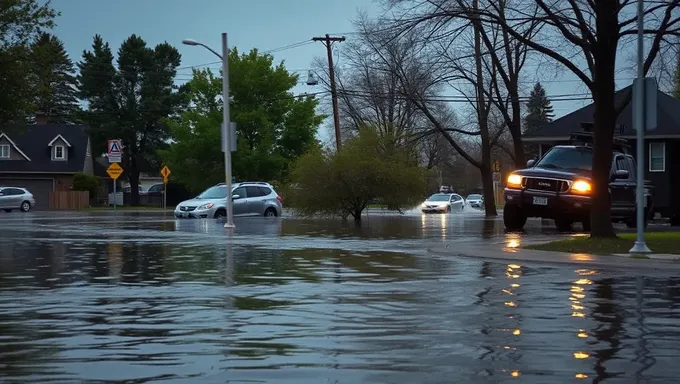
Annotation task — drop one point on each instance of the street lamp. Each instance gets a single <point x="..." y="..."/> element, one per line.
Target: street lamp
<point x="225" y="117"/>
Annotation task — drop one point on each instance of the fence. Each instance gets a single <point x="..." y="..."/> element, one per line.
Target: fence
<point x="69" y="200"/>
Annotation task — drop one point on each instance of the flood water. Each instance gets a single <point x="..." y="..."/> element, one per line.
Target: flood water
<point x="135" y="299"/>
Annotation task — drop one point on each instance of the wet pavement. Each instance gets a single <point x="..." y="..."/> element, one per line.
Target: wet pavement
<point x="139" y="297"/>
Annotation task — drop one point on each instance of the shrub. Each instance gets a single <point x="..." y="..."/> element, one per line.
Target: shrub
<point x="85" y="182"/>
<point x="344" y="183"/>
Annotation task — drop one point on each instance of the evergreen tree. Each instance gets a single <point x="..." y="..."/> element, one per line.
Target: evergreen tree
<point x="676" y="79"/>
<point x="539" y="109"/>
<point x="53" y="79"/>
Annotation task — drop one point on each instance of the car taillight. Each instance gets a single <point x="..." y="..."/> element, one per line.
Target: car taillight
<point x="279" y="198"/>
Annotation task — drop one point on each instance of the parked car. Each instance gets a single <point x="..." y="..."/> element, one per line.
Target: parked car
<point x="156" y="188"/>
<point x="443" y="202"/>
<point x="474" y="200"/>
<point x="559" y="186"/>
<point x="12" y="198"/>
<point x="250" y="198"/>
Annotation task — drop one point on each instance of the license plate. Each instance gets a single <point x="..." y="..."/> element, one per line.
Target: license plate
<point x="184" y="214"/>
<point x="540" y="201"/>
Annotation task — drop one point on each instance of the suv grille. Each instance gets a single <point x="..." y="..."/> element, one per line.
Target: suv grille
<point x="187" y="209"/>
<point x="546" y="184"/>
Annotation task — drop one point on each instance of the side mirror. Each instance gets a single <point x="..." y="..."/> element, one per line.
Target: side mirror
<point x="620" y="174"/>
<point x="531" y="163"/>
<point x="234" y="197"/>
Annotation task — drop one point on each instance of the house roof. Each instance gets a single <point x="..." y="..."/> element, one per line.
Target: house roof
<point x="668" y="119"/>
<point x="34" y="142"/>
<point x="57" y="138"/>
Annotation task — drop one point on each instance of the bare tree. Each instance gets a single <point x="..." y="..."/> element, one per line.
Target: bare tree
<point x="571" y="31"/>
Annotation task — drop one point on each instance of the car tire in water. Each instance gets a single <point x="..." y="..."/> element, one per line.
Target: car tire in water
<point x="270" y="212"/>
<point x="220" y="214"/>
<point x="25" y="206"/>
<point x="514" y="218"/>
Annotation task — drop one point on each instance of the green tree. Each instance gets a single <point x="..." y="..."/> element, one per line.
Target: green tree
<point x="53" y="79"/>
<point x="274" y="127"/>
<point x="20" y="22"/>
<point x="539" y="109"/>
<point x="344" y="183"/>
<point x="131" y="101"/>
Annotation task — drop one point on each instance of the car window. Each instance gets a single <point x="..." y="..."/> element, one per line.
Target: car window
<point x="632" y="175"/>
<point x="623" y="164"/>
<point x="253" y="191"/>
<point x="438" y="197"/>
<point x="567" y="158"/>
<point x="474" y="197"/>
<point x="13" y="192"/>
<point x="216" y="192"/>
<point x="265" y="191"/>
<point x="241" y="192"/>
<point x="156" y="188"/>
<point x="455" y="198"/>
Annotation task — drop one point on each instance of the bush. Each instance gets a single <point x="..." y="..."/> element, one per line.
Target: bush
<point x="85" y="182"/>
<point x="345" y="183"/>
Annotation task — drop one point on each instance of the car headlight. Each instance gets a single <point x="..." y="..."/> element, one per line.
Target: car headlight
<point x="206" y="206"/>
<point x="514" y="181"/>
<point x="581" y="187"/>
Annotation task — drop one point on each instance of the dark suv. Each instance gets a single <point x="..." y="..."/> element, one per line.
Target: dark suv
<point x="558" y="186"/>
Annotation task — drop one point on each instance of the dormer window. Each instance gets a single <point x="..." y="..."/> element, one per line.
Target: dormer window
<point x="4" y="151"/>
<point x="59" y="153"/>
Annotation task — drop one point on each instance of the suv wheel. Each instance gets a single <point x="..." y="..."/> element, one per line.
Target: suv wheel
<point x="270" y="212"/>
<point x="563" y="225"/>
<point x="514" y="218"/>
<point x="25" y="206"/>
<point x="220" y="214"/>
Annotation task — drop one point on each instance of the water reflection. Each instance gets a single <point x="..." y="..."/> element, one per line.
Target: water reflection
<point x="75" y="311"/>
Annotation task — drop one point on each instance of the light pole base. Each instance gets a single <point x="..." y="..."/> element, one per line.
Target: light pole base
<point x="229" y="225"/>
<point x="640" y="247"/>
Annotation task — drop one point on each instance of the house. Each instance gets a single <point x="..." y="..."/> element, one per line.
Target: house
<point x="43" y="157"/>
<point x="662" y="145"/>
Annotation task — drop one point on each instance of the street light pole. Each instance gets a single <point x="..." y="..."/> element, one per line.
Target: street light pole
<point x="225" y="120"/>
<point x="639" y="105"/>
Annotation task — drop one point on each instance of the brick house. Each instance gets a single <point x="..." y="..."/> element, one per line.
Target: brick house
<point x="43" y="157"/>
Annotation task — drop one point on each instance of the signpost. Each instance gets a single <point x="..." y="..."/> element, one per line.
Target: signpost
<point x="165" y="172"/>
<point x="496" y="184"/>
<point x="114" y="172"/>
<point x="114" y="151"/>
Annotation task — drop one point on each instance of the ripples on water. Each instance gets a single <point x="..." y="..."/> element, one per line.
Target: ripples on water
<point x="87" y="311"/>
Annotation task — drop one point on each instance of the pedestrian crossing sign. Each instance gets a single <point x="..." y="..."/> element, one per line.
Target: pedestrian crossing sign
<point x="115" y="147"/>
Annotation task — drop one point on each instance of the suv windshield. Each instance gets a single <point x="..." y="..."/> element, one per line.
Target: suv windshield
<point x="217" y="192"/>
<point x="438" y="197"/>
<point x="567" y="158"/>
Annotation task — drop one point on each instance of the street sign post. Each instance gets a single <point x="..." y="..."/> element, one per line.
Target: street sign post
<point x="114" y="151"/>
<point x="165" y="172"/>
<point x="114" y="172"/>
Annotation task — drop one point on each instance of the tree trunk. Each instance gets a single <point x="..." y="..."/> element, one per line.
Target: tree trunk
<point x="516" y="133"/>
<point x="488" y="192"/>
<point x="605" y="117"/>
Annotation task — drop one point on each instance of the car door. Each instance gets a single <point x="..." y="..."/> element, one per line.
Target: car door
<point x="622" y="191"/>
<point x="255" y="200"/>
<point x="241" y="202"/>
<point x="456" y="203"/>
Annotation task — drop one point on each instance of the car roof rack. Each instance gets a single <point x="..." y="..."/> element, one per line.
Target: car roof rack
<point x="586" y="139"/>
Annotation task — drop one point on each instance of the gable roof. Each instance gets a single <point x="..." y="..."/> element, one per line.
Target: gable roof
<point x="34" y="140"/>
<point x="2" y="135"/>
<point x="668" y="119"/>
<point x="62" y="139"/>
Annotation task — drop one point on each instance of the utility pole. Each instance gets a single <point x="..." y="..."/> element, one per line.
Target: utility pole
<point x="328" y="42"/>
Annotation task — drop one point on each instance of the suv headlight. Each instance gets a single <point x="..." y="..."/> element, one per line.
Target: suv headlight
<point x="206" y="206"/>
<point x="514" y="181"/>
<point x="581" y="187"/>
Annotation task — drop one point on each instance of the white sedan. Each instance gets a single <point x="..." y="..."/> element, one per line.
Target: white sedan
<point x="443" y="202"/>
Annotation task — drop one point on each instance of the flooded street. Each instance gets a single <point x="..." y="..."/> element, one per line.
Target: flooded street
<point x="140" y="297"/>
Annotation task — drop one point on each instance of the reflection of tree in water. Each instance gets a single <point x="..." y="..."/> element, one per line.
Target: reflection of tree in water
<point x="22" y="355"/>
<point x="610" y="316"/>
<point x="375" y="227"/>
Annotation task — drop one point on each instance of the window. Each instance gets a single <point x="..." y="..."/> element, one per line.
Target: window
<point x="254" y="192"/>
<point x="657" y="157"/>
<point x="4" y="151"/>
<point x="241" y="192"/>
<point x="59" y="152"/>
<point x="567" y="158"/>
<point x="265" y="191"/>
<point x="216" y="192"/>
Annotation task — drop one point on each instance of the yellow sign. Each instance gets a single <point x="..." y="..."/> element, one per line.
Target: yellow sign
<point x="114" y="171"/>
<point x="165" y="172"/>
<point x="165" y="180"/>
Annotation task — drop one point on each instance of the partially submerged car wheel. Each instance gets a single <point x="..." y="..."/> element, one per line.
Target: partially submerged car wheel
<point x="220" y="214"/>
<point x="514" y="218"/>
<point x="25" y="206"/>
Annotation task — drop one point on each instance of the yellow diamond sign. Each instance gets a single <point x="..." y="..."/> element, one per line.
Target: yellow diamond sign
<point x="114" y="171"/>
